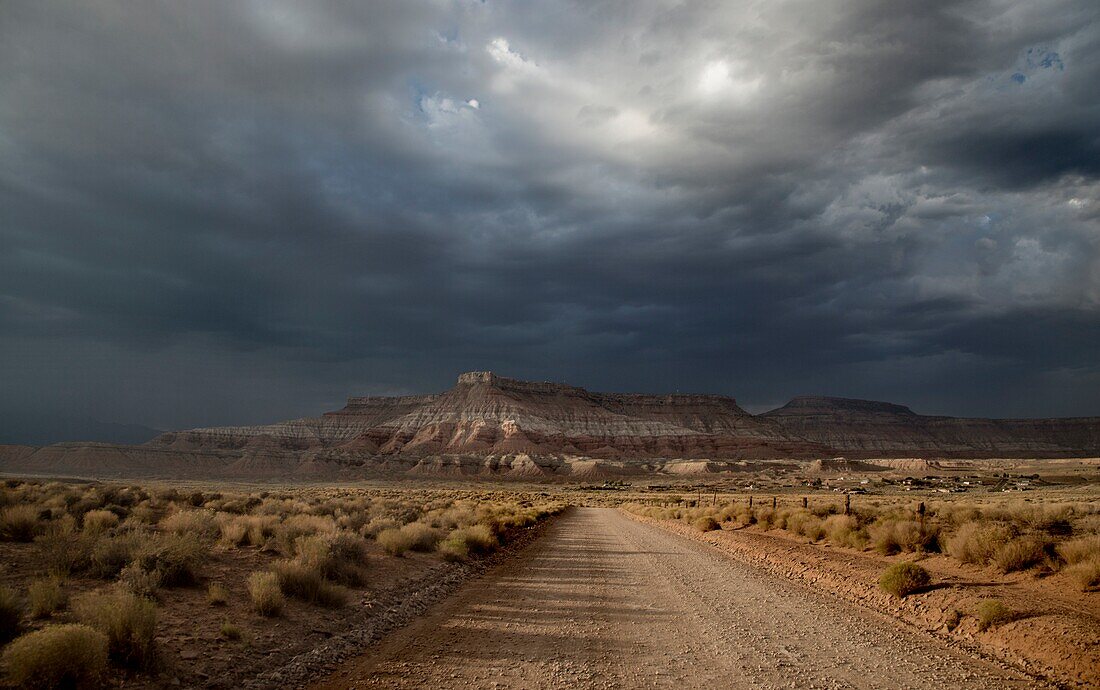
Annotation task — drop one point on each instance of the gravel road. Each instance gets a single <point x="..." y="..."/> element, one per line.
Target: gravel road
<point x="602" y="601"/>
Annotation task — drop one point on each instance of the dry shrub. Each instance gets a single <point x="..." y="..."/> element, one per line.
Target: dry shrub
<point x="453" y="550"/>
<point x="146" y="513"/>
<point x="894" y="536"/>
<point x="805" y="523"/>
<point x="217" y="595"/>
<point x="993" y="612"/>
<point x="247" y="530"/>
<point x="706" y="524"/>
<point x="230" y="631"/>
<point x="301" y="526"/>
<point x="46" y="597"/>
<point x="57" y="656"/>
<point x="19" y="523"/>
<point x="337" y="557"/>
<point x="110" y="554"/>
<point x="99" y="521"/>
<point x="63" y="549"/>
<point x="976" y="542"/>
<point x="415" y="536"/>
<point x="843" y="530"/>
<point x="1085" y="573"/>
<point x="140" y="582"/>
<point x="200" y="523"/>
<point x="744" y="515"/>
<point x="354" y="521"/>
<point x="267" y="597"/>
<point x="301" y="581"/>
<point x="174" y="557"/>
<point x="378" y="525"/>
<point x="1021" y="553"/>
<point x="1052" y="520"/>
<point x="234" y="532"/>
<point x="11" y="614"/>
<point x="477" y="539"/>
<point x="902" y="579"/>
<point x="1080" y="549"/>
<point x="129" y="622"/>
<point x="767" y="519"/>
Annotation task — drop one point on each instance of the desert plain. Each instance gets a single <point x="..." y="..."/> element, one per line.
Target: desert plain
<point x="826" y="573"/>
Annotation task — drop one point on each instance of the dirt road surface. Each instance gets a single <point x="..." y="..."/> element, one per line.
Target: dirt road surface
<point x="602" y="601"/>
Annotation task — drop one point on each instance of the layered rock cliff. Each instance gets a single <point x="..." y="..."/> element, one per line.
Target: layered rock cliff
<point x="867" y="429"/>
<point x="485" y="414"/>
<point x="491" y="425"/>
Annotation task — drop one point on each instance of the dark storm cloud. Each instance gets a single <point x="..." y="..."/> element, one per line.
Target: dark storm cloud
<point x="232" y="212"/>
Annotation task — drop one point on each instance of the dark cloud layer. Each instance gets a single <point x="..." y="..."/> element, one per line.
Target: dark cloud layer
<point x="231" y="212"/>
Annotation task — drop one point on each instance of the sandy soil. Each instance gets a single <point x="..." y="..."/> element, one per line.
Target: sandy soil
<point x="603" y="601"/>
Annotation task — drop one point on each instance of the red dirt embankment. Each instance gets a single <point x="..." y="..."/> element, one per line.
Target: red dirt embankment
<point x="1057" y="636"/>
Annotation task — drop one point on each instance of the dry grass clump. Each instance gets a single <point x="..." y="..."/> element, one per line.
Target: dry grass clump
<point x="301" y="526"/>
<point x="99" y="521"/>
<point x="247" y="530"/>
<point x="63" y="549"/>
<point x="378" y="525"/>
<point x="805" y="523"/>
<point x="1083" y="558"/>
<point x="706" y="524"/>
<point x="217" y="595"/>
<point x="902" y="579"/>
<point x="464" y="541"/>
<point x="46" y="596"/>
<point x="339" y="557"/>
<point x="843" y="530"/>
<point x="993" y="612"/>
<point x="230" y="631"/>
<point x="1085" y="573"/>
<point x="1080" y="549"/>
<point x="415" y="536"/>
<point x="267" y="596"/>
<point x="978" y="542"/>
<point x="111" y="553"/>
<point x="200" y="523"/>
<point x="479" y="538"/>
<point x="1049" y="519"/>
<point x="11" y="614"/>
<point x="895" y="536"/>
<point x="1022" y="553"/>
<point x="19" y="523"/>
<point x="140" y="582"/>
<point x="175" y="558"/>
<point x="301" y="581"/>
<point x="128" y="621"/>
<point x="57" y="656"/>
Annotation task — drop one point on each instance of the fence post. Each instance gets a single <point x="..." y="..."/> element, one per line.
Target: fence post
<point x="773" y="502"/>
<point x="750" y="501"/>
<point x="847" y="504"/>
<point x="804" y="501"/>
<point x="920" y="516"/>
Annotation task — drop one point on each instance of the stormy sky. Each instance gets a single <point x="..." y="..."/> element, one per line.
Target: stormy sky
<point x="220" y="212"/>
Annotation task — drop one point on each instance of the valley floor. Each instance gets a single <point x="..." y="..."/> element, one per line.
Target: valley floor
<point x="604" y="601"/>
